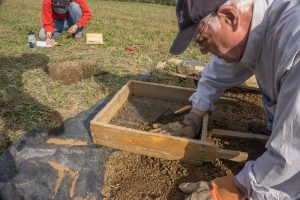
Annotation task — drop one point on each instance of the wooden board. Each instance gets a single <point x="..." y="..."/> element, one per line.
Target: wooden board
<point x="236" y="134"/>
<point x="204" y="127"/>
<point x="159" y="91"/>
<point x="153" y="144"/>
<point x="112" y="108"/>
<point x="233" y="155"/>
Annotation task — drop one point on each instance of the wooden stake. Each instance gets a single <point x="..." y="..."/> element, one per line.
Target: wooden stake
<point x="237" y="156"/>
<point x="183" y="109"/>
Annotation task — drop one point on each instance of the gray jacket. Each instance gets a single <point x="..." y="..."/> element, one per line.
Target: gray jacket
<point x="272" y="55"/>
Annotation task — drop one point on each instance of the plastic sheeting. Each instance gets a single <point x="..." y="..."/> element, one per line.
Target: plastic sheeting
<point x="33" y="169"/>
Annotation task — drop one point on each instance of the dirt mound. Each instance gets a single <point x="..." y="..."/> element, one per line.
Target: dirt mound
<point x="131" y="176"/>
<point x="69" y="72"/>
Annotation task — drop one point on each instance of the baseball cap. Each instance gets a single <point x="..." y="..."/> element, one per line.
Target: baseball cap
<point x="60" y="6"/>
<point x="189" y="14"/>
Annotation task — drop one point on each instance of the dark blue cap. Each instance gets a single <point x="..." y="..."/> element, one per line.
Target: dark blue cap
<point x="189" y="14"/>
<point x="60" y="6"/>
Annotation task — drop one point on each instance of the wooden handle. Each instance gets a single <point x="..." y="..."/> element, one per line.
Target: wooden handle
<point x="183" y="109"/>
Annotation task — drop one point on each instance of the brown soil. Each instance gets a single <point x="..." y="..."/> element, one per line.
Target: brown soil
<point x="235" y="116"/>
<point x="131" y="176"/>
<point x="141" y="113"/>
<point x="66" y="142"/>
<point x="69" y="72"/>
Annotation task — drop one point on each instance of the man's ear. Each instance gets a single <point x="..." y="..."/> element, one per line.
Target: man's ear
<point x="231" y="16"/>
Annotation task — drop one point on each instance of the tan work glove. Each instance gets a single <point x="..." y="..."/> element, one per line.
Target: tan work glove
<point x="222" y="188"/>
<point x="188" y="128"/>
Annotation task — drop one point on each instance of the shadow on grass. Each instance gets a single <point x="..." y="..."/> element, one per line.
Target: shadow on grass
<point x="19" y="111"/>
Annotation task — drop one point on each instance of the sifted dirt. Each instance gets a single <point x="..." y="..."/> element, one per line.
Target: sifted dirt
<point x="66" y="142"/>
<point x="61" y="171"/>
<point x="131" y="176"/>
<point x="141" y="113"/>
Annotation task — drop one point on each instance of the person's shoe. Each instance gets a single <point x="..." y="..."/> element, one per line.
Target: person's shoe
<point x="258" y="127"/>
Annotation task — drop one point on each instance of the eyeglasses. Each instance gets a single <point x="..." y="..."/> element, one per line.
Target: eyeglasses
<point x="199" y="38"/>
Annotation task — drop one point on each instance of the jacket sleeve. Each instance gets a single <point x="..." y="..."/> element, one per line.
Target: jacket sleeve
<point x="47" y="16"/>
<point x="216" y="77"/>
<point x="86" y="13"/>
<point x="276" y="174"/>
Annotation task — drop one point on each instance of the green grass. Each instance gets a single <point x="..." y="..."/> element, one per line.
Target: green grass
<point x="30" y="100"/>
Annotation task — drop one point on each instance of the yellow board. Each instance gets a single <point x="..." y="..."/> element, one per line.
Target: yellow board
<point x="94" y="38"/>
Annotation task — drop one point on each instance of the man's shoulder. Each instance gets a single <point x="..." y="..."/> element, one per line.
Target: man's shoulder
<point x="283" y="7"/>
<point x="284" y="15"/>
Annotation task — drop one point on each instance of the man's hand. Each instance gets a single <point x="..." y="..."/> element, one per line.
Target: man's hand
<point x="49" y="40"/>
<point x="73" y="28"/>
<point x="222" y="188"/>
<point x="188" y="128"/>
<point x="175" y="129"/>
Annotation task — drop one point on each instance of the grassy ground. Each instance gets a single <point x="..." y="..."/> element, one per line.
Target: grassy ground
<point x="30" y="100"/>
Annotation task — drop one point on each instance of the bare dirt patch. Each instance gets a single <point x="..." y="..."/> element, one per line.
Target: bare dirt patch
<point x="131" y="176"/>
<point x="69" y="72"/>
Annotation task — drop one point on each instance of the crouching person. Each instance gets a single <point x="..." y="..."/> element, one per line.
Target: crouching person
<point x="61" y="15"/>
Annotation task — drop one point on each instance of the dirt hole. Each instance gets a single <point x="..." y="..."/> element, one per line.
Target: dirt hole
<point x="69" y="72"/>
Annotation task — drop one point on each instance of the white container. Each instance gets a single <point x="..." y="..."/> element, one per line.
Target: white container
<point x="31" y="39"/>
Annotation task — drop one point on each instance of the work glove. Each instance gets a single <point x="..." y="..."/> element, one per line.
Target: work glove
<point x="222" y="188"/>
<point x="188" y="128"/>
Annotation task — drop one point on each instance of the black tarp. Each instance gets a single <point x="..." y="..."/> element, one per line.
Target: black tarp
<point x="33" y="169"/>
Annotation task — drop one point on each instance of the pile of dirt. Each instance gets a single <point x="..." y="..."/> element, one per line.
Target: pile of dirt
<point x="131" y="176"/>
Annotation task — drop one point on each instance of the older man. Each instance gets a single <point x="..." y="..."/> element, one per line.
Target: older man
<point x="246" y="37"/>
